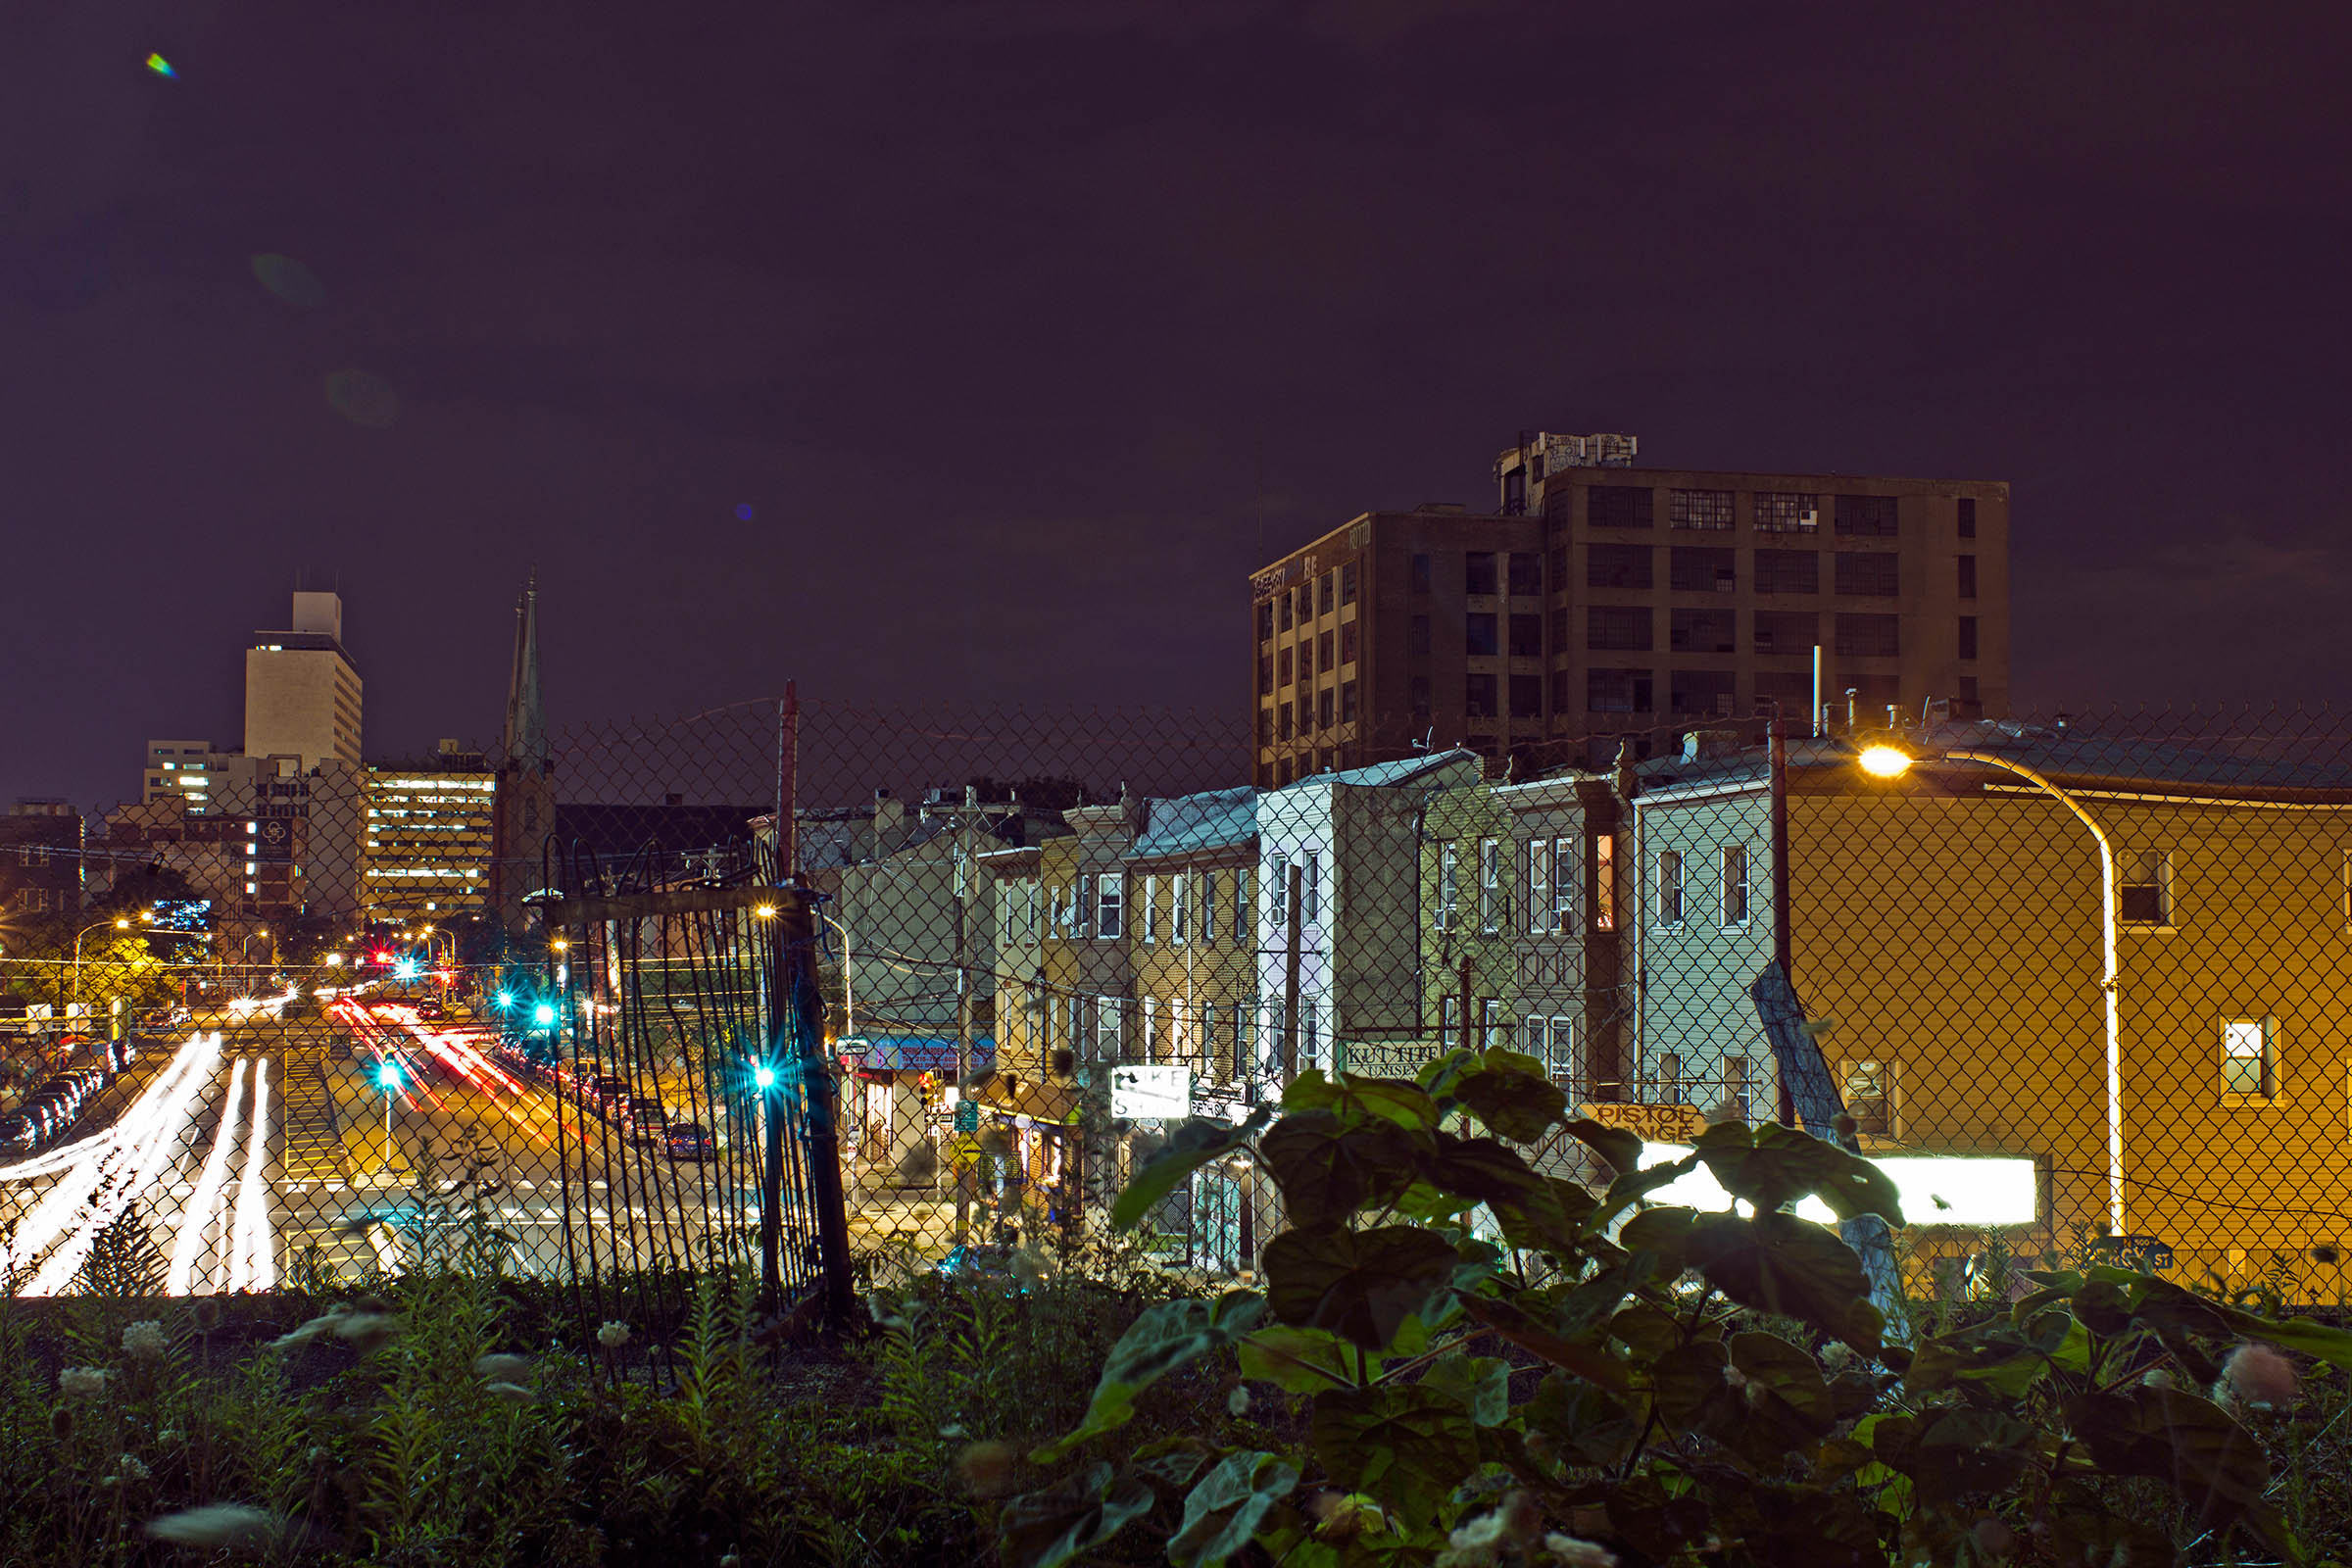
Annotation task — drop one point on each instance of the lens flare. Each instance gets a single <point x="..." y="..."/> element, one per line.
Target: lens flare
<point x="363" y="398"/>
<point x="289" y="280"/>
<point x="160" y="66"/>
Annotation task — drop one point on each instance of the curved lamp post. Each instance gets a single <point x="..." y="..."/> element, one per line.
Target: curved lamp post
<point x="1892" y="762"/>
<point x="121" y="923"/>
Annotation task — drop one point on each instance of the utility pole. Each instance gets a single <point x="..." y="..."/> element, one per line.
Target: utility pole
<point x="1778" y="752"/>
<point x="967" y="817"/>
<point x="1292" y="899"/>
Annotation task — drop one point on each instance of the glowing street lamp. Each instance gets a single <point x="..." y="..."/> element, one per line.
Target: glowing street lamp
<point x="1886" y="762"/>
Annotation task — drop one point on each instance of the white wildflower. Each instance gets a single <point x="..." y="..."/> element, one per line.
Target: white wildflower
<point x="2159" y="1378"/>
<point x="954" y="1428"/>
<point x="1484" y="1531"/>
<point x="614" y="1335"/>
<point x="367" y="1331"/>
<point x="510" y="1393"/>
<point x="82" y="1382"/>
<point x="223" y="1524"/>
<point x="1238" y="1402"/>
<point x="143" y="1341"/>
<point x="2260" y="1376"/>
<point x="1579" y="1553"/>
<point x="502" y="1368"/>
<point x="131" y="1467"/>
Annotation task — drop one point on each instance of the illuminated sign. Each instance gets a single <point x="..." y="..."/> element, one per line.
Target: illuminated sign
<point x="1936" y="1189"/>
<point x="1145" y="1092"/>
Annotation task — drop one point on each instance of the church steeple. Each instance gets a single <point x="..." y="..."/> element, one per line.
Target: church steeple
<point x="524" y="744"/>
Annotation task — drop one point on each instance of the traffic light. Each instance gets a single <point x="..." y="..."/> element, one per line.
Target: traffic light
<point x="506" y="998"/>
<point x="764" y="1076"/>
<point x="405" y="970"/>
<point x="388" y="1075"/>
<point x="544" y="1016"/>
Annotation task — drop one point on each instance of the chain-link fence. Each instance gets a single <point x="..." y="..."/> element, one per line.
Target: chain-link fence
<point x="847" y="992"/>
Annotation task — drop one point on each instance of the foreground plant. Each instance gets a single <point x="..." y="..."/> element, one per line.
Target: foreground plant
<point x="1497" y="1365"/>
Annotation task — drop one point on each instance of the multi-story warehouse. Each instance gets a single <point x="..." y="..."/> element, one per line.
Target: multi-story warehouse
<point x="1603" y="599"/>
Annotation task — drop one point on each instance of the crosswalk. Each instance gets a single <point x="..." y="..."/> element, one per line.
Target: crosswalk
<point x="313" y="1146"/>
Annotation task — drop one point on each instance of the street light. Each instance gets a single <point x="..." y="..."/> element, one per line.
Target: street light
<point x="1892" y="762"/>
<point x="388" y="1075"/>
<point x="121" y="923"/>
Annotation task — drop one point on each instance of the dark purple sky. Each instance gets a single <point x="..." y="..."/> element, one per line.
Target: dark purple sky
<point x="994" y="314"/>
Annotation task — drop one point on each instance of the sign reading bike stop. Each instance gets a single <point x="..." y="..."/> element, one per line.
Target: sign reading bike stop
<point x="1146" y="1093"/>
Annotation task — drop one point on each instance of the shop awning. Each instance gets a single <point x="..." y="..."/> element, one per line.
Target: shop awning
<point x="913" y="1054"/>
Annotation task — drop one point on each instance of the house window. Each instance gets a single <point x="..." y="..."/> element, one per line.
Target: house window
<point x="1702" y="569"/>
<point x="1870" y="573"/>
<point x="1968" y="518"/>
<point x="1968" y="576"/>
<point x="1489" y="1023"/>
<point x="1670" y="888"/>
<point x="1209" y="905"/>
<point x="2249" y="1058"/>
<point x="1348" y="642"/>
<point x="1282" y="727"/>
<point x="1323" y="708"/>
<point x="1865" y="515"/>
<point x="1266" y="621"/>
<point x="1710" y="509"/>
<point x="1787" y="511"/>
<point x="1029" y="912"/>
<point x="1285" y="602"/>
<point x="1147" y="908"/>
<point x="1480" y="639"/>
<point x="1112" y="907"/>
<point x="1870" y="1097"/>
<point x="1861" y="636"/>
<point x="1084" y="909"/>
<point x="1558" y="1053"/>
<point x="1618" y="565"/>
<point x="1446" y="899"/>
<point x="1735" y="1087"/>
<point x="1563" y="885"/>
<point x="1478" y="572"/>
<point x="1622" y="626"/>
<point x="1111" y="1029"/>
<point x="1527" y="637"/>
<point x="1278" y="890"/>
<point x="1418" y="574"/>
<point x="1618" y="506"/>
<point x="1180" y="888"/>
<point x="2145" y="886"/>
<point x="1617" y="691"/>
<point x="1526" y="697"/>
<point x="1005" y="916"/>
<point x="1243" y="928"/>
<point x="1150" y="1017"/>
<point x="1669" y="1078"/>
<point x="1526" y="573"/>
<point x="1479" y="697"/>
<point x="1735" y="884"/>
<point x="1541" y="916"/>
<point x="1787" y="571"/>
<point x="1347" y="583"/>
<point x="1604" y="882"/>
<point x="1489" y="885"/>
<point x="1310" y="891"/>
<point x="1449" y="1023"/>
<point x="1967" y="636"/>
<point x="1416" y="637"/>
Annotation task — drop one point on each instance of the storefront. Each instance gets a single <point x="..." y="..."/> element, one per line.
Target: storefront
<point x="891" y="1081"/>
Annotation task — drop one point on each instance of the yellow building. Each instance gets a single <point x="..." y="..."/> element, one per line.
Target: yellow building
<point x="1948" y="925"/>
<point x="427" y="849"/>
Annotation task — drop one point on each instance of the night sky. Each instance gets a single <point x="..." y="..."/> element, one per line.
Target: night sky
<point x="977" y="351"/>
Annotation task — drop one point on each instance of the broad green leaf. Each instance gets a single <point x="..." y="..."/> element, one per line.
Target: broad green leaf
<point x="1398" y="1100"/>
<point x="1311" y="1089"/>
<point x="1480" y="1169"/>
<point x="1687" y="1380"/>
<point x="1482" y="1383"/>
<point x="1788" y="1375"/>
<point x="1223" y="1512"/>
<point x="1407" y="1445"/>
<point x="1632" y="1187"/>
<point x="1771" y="1261"/>
<point x="2213" y="1463"/>
<point x="1191" y="1145"/>
<point x="1327" y="1169"/>
<point x="1512" y="1095"/>
<point x="1956" y="1451"/>
<point x="1301" y="1360"/>
<point x="1582" y="1418"/>
<point x="1549" y="1218"/>
<point x="1361" y="1284"/>
<point x="1621" y="1147"/>
<point x="1047" y="1528"/>
<point x="1156" y="1344"/>
<point x="1772" y="1167"/>
<point x="1585" y="1360"/>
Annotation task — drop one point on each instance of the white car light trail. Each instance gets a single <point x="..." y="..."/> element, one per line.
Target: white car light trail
<point x="253" y="1263"/>
<point x="196" y="1219"/>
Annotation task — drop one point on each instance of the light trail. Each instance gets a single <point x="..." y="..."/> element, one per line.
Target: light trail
<point x="98" y="1191"/>
<point x="253" y="1256"/>
<point x="74" y="1154"/>
<point x="196" y="1219"/>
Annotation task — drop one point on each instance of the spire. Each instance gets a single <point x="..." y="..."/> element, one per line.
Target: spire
<point x="525" y="740"/>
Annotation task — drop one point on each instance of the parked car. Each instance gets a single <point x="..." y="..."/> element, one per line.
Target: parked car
<point x="122" y="1054"/>
<point x="430" y="1011"/>
<point x="690" y="1140"/>
<point x="19" y="1135"/>
<point x="647" y="1121"/>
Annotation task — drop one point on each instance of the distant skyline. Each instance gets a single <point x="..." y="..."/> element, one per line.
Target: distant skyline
<point x="935" y="353"/>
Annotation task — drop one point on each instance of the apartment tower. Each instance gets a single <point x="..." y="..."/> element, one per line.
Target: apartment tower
<point x="1602" y="599"/>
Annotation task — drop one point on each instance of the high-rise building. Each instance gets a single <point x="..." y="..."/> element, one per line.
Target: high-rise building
<point x="429" y="830"/>
<point x="1600" y="598"/>
<point x="302" y="691"/>
<point x="188" y="771"/>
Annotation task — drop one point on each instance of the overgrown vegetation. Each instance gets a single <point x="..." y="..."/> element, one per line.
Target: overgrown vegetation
<point x="1459" y="1361"/>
